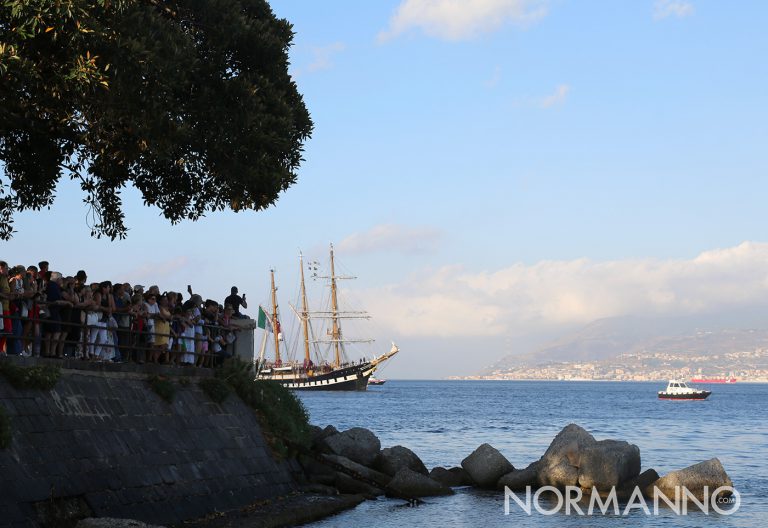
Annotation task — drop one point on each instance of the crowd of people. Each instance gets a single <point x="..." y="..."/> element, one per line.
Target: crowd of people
<point x="47" y="314"/>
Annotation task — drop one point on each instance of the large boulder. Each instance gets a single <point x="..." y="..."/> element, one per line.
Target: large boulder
<point x="709" y="473"/>
<point x="625" y="490"/>
<point x="486" y="465"/>
<point x="462" y="474"/>
<point x="446" y="477"/>
<point x="345" y="465"/>
<point x="408" y="484"/>
<point x="357" y="444"/>
<point x="391" y="459"/>
<point x="608" y="463"/>
<point x="316" y="471"/>
<point x="519" y="479"/>
<point x="347" y="484"/>
<point x="559" y="467"/>
<point x="319" y="434"/>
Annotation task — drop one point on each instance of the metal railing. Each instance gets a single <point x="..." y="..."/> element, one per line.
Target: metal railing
<point x="36" y="336"/>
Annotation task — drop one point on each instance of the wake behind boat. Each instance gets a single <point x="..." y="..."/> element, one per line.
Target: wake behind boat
<point x="336" y="373"/>
<point x="679" y="390"/>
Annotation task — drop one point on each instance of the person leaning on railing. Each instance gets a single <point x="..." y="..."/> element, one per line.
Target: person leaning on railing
<point x="54" y="301"/>
<point x="162" y="330"/>
<point x="187" y="321"/>
<point x="229" y="331"/>
<point x="30" y="333"/>
<point x="70" y="316"/>
<point x="138" y="313"/>
<point x="16" y="303"/>
<point x="122" y="300"/>
<point x="5" y="301"/>
<point x="89" y="317"/>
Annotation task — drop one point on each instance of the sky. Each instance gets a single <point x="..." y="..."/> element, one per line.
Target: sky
<point x="495" y="172"/>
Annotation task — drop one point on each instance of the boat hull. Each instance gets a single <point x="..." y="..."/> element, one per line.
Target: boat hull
<point x="702" y="395"/>
<point x="352" y="378"/>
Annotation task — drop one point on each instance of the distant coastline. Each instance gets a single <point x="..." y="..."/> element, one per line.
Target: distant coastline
<point x="486" y="378"/>
<point x="647" y="365"/>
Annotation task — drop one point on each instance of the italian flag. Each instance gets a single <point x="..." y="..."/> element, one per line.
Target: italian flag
<point x="263" y="320"/>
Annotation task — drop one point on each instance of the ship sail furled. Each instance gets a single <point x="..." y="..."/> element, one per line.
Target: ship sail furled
<point x="336" y="373"/>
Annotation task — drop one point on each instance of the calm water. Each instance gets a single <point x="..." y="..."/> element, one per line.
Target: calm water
<point x="444" y="421"/>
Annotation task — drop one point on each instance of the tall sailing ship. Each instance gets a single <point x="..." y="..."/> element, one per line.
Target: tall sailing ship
<point x="338" y="372"/>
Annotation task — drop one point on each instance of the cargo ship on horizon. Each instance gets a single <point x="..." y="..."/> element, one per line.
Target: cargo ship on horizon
<point x="713" y="380"/>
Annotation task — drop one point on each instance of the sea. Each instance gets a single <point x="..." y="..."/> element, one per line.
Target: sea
<point x="444" y="421"/>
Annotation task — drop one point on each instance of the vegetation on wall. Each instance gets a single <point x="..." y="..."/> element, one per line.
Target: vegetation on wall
<point x="284" y="418"/>
<point x="217" y="389"/>
<point x="42" y="377"/>
<point x="163" y="387"/>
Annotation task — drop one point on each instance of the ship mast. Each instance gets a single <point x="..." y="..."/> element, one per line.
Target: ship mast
<point x="336" y="328"/>
<point x="304" y="312"/>
<point x="335" y="315"/>
<point x="274" y="318"/>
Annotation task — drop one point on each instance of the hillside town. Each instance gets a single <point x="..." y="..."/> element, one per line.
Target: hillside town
<point x="744" y="366"/>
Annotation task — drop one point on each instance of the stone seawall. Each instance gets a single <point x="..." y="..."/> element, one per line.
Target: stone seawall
<point x="103" y="441"/>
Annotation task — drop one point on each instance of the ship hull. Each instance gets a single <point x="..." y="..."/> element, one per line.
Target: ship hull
<point x="352" y="378"/>
<point x="702" y="395"/>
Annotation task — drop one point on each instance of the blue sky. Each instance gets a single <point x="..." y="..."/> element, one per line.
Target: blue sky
<point x="494" y="171"/>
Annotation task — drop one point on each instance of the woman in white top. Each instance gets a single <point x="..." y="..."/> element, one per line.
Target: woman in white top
<point x="97" y="329"/>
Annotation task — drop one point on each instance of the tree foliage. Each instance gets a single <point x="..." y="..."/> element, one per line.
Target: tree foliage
<point x="190" y="101"/>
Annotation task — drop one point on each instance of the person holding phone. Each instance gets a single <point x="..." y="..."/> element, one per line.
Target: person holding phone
<point x="235" y="301"/>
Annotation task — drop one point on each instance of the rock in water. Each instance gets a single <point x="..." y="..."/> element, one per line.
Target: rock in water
<point x="319" y="435"/>
<point x="486" y="466"/>
<point x="519" y="479"/>
<point x="625" y="490"/>
<point x="608" y="463"/>
<point x="365" y="472"/>
<point x="391" y="459"/>
<point x="346" y="484"/>
<point x="464" y="477"/>
<point x="559" y="466"/>
<point x="357" y="444"/>
<point x="446" y="477"/>
<point x="408" y="484"/>
<point x="709" y="473"/>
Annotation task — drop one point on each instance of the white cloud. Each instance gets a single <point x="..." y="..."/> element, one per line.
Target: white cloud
<point x="666" y="8"/>
<point x="556" y="98"/>
<point x="520" y="299"/>
<point x="461" y="19"/>
<point x="322" y="56"/>
<point x="390" y="237"/>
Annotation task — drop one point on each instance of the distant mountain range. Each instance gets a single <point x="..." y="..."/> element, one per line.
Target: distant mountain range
<point x="703" y="335"/>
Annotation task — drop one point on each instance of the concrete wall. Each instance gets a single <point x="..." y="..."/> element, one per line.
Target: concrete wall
<point x="246" y="339"/>
<point x="103" y="436"/>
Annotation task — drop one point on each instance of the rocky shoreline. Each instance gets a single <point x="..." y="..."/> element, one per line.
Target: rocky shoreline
<point x="352" y="461"/>
<point x="344" y="468"/>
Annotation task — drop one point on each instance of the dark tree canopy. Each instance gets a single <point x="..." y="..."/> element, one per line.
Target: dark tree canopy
<point x="188" y="100"/>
